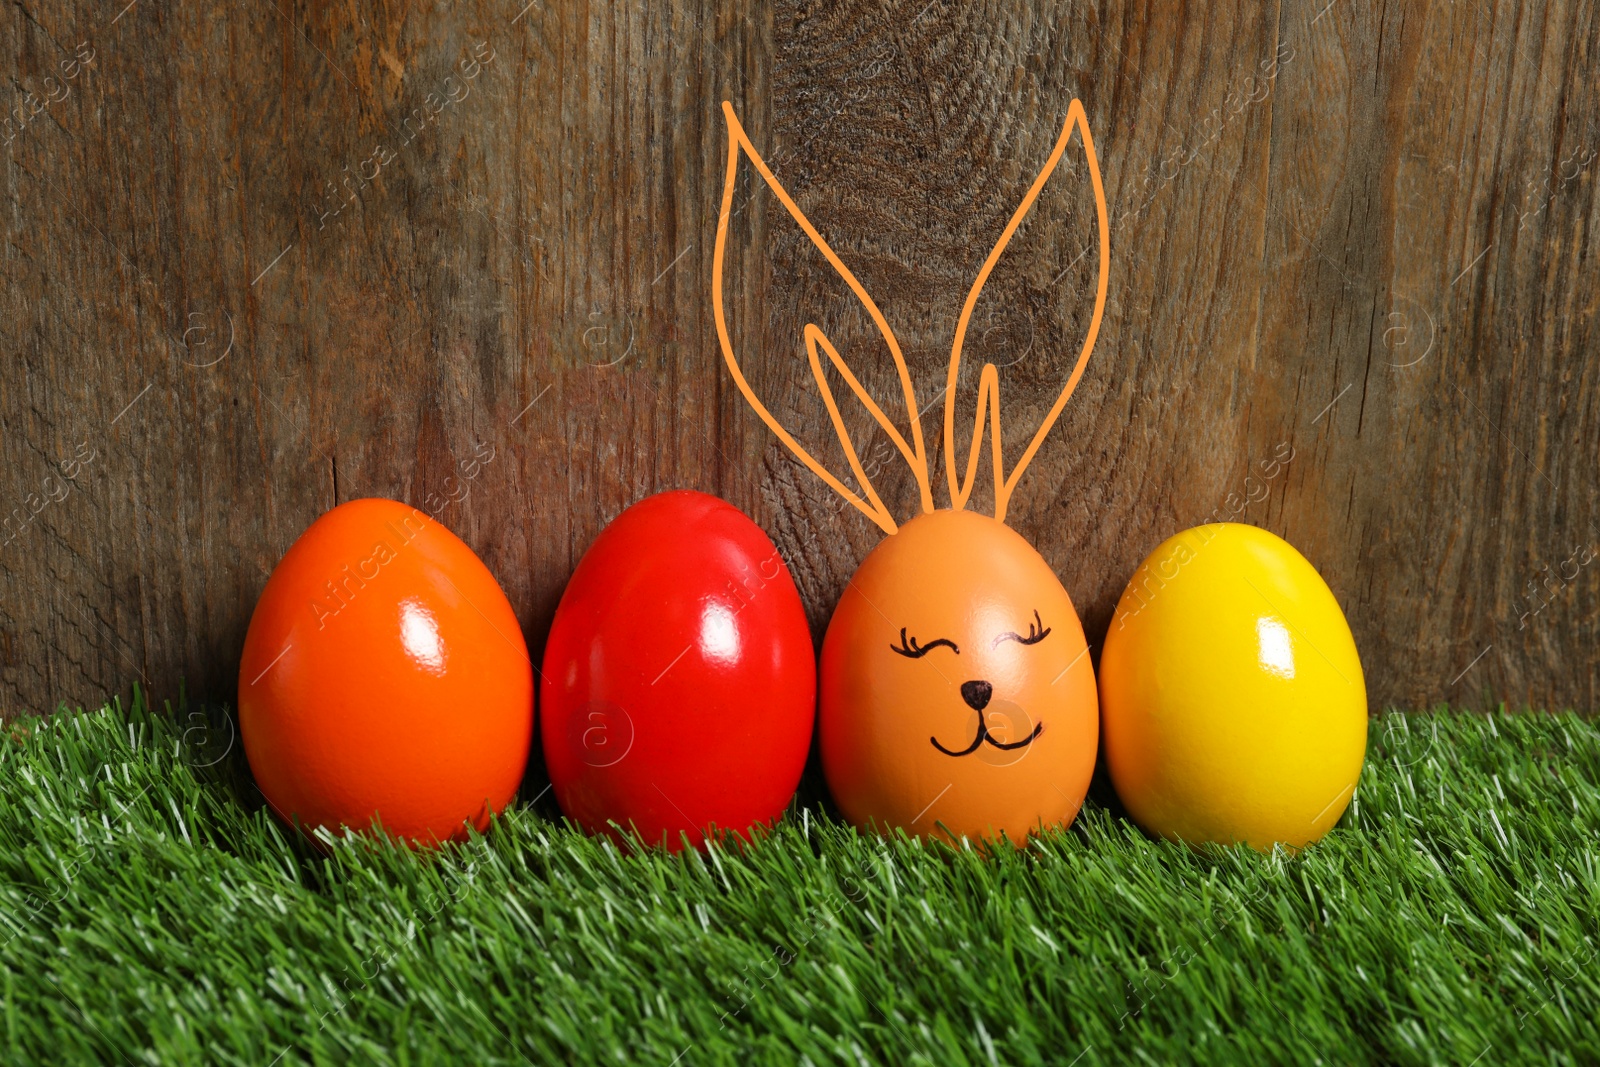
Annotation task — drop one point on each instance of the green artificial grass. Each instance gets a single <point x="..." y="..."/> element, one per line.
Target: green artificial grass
<point x="153" y="912"/>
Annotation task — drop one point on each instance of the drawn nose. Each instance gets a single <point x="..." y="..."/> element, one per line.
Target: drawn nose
<point x="976" y="694"/>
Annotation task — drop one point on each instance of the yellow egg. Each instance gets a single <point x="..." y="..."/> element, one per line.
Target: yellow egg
<point x="1232" y="703"/>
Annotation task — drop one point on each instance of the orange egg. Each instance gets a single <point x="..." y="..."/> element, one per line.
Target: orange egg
<point x="385" y="677"/>
<point x="956" y="688"/>
<point x="957" y="696"/>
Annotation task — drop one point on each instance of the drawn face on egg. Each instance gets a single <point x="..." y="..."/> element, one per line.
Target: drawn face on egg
<point x="995" y="721"/>
<point x="958" y="698"/>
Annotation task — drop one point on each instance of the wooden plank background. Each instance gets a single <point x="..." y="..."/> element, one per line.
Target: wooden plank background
<point x="265" y="257"/>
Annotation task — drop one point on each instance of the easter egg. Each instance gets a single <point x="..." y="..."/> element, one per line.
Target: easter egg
<point x="679" y="682"/>
<point x="1232" y="699"/>
<point x="958" y="699"/>
<point x="385" y="677"/>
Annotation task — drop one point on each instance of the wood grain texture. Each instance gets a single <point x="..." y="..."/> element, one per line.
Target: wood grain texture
<point x="261" y="259"/>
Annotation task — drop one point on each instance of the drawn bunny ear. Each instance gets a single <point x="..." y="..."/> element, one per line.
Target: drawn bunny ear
<point x="914" y="451"/>
<point x="989" y="380"/>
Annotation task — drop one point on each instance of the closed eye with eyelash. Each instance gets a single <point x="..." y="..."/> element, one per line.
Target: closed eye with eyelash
<point x="1037" y="631"/>
<point x="909" y="648"/>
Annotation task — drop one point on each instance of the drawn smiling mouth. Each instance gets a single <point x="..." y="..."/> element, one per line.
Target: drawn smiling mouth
<point x="983" y="735"/>
<point x="977" y="694"/>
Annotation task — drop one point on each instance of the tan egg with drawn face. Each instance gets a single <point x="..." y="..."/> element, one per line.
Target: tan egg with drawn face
<point x="956" y="691"/>
<point x="957" y="696"/>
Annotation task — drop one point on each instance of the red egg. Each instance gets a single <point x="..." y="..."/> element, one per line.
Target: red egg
<point x="679" y="682"/>
<point x="384" y="676"/>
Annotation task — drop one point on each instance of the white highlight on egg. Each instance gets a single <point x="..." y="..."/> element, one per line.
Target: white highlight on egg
<point x="419" y="632"/>
<point x="1273" y="649"/>
<point x="719" y="638"/>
